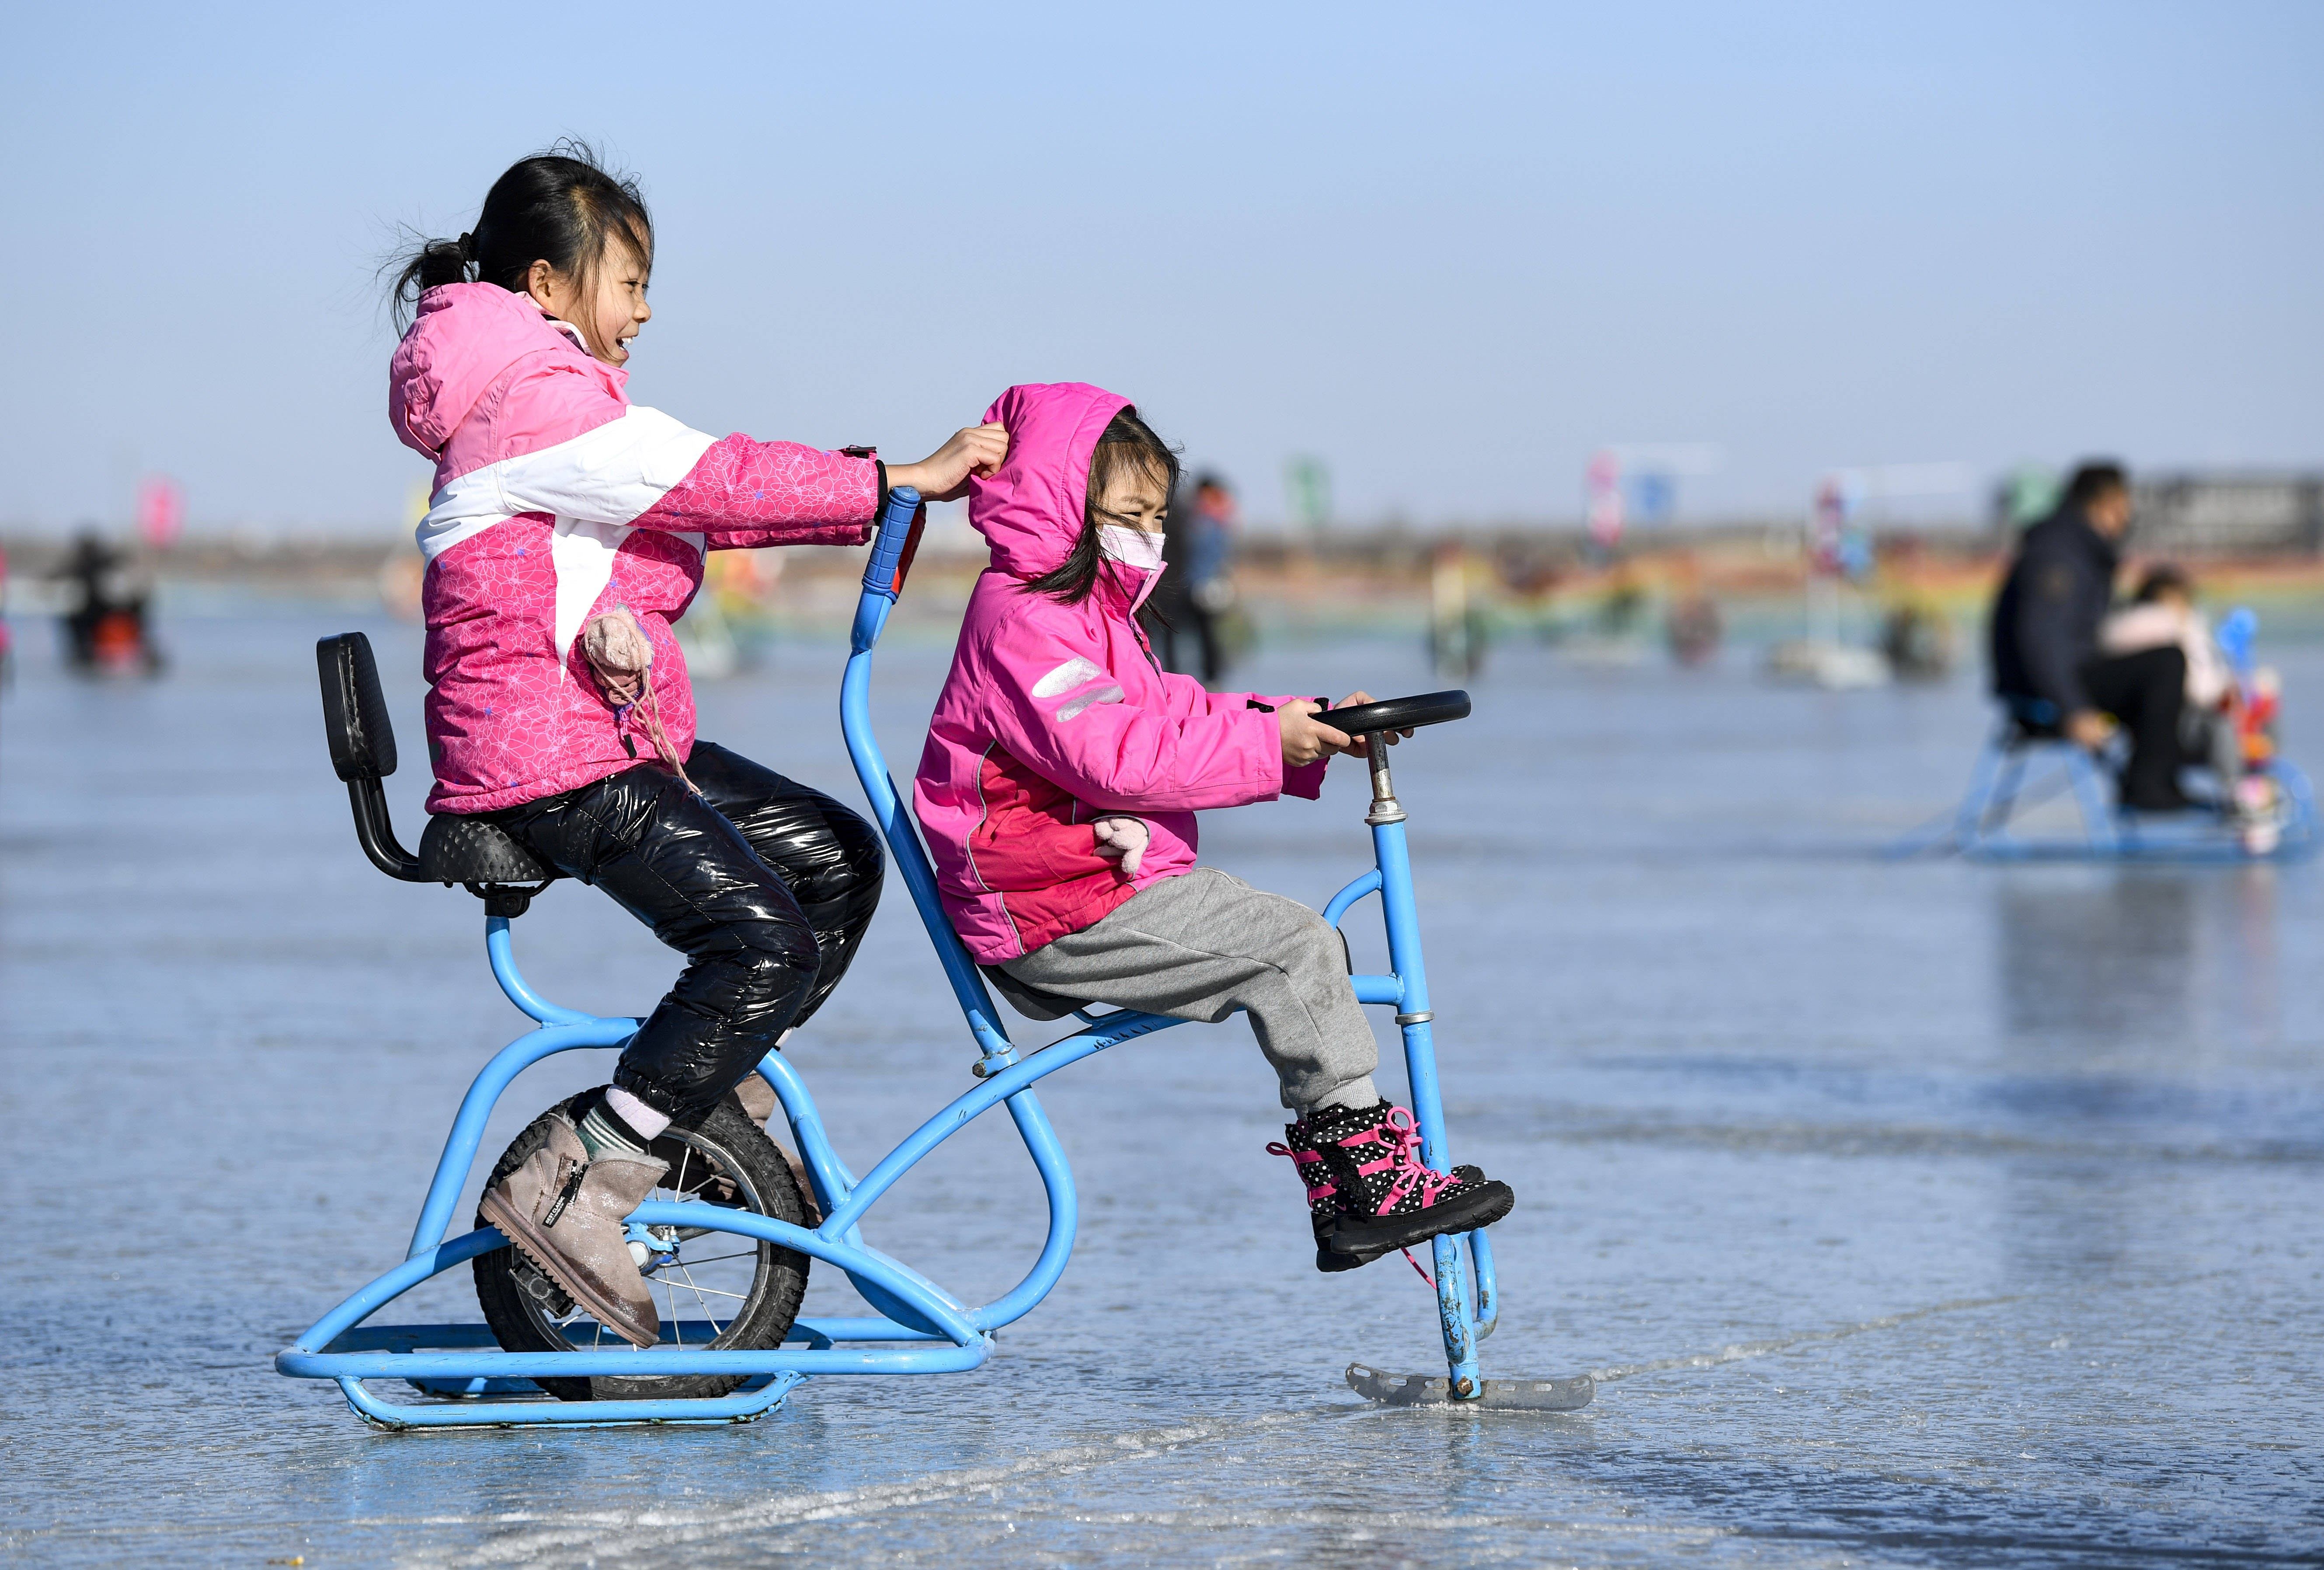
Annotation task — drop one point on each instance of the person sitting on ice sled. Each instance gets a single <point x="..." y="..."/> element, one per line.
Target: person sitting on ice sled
<point x="2163" y="615"/>
<point x="1058" y="789"/>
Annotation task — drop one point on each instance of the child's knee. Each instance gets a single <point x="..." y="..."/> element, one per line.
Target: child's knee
<point x="835" y="860"/>
<point x="859" y="851"/>
<point x="1317" y="945"/>
<point x="766" y="970"/>
<point x="756" y="960"/>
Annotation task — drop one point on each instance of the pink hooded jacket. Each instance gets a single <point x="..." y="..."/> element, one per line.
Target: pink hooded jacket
<point x="1056" y="715"/>
<point x="556" y="499"/>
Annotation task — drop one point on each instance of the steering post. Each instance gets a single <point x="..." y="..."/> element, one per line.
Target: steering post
<point x="1385" y="809"/>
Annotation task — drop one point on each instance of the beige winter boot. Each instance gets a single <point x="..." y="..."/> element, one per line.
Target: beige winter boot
<point x="565" y="1213"/>
<point x="756" y="1095"/>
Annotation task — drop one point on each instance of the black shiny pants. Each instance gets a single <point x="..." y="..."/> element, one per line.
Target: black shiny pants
<point x="764" y="884"/>
<point x="2145" y="691"/>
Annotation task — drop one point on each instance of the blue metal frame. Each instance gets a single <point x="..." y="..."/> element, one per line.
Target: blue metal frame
<point x="2012" y="763"/>
<point x="927" y="1329"/>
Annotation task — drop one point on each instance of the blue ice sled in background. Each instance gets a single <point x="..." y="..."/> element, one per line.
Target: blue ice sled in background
<point x="2027" y="750"/>
<point x="917" y="1328"/>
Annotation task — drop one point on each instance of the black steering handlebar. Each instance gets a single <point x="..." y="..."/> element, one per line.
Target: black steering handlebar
<point x="1396" y="714"/>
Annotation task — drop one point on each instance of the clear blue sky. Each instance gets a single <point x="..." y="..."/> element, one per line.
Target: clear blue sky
<point x="1449" y="250"/>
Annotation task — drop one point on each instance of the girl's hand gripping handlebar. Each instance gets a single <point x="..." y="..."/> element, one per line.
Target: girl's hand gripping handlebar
<point x="1306" y="738"/>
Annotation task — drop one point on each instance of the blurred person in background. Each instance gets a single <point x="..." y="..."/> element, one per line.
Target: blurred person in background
<point x="2048" y="665"/>
<point x="1199" y="540"/>
<point x="106" y="597"/>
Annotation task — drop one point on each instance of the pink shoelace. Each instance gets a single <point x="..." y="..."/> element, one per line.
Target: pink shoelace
<point x="1303" y="1159"/>
<point x="1319" y="1186"/>
<point x="1403" y="1141"/>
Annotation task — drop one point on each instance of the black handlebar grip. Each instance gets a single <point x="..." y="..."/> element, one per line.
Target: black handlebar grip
<point x="1397" y="713"/>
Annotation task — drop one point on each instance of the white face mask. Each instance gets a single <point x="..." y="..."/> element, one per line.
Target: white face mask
<point x="1132" y="547"/>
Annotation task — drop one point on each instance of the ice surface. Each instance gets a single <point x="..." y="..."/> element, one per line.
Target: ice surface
<point x="1906" y="1214"/>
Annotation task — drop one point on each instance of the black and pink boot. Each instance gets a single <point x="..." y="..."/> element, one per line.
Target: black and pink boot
<point x="1323" y="1193"/>
<point x="1382" y="1198"/>
<point x="1322" y="1212"/>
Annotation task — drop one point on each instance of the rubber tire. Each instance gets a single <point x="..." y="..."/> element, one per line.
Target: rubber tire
<point x="732" y="1141"/>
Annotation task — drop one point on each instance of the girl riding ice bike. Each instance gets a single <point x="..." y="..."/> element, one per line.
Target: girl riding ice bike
<point x="1058" y="793"/>
<point x="566" y="532"/>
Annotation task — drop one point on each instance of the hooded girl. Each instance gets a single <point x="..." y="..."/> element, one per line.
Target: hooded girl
<point x="1059" y="793"/>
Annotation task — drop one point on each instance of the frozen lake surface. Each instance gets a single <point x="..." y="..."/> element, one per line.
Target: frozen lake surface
<point x="1908" y="1212"/>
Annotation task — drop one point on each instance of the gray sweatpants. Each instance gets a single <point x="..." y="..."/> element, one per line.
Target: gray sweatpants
<point x="1203" y="945"/>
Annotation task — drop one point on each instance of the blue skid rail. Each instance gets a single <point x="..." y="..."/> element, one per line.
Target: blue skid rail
<point x="2004" y="783"/>
<point x="919" y="1328"/>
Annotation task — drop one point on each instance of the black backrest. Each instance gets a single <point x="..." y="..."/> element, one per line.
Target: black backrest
<point x="354" y="710"/>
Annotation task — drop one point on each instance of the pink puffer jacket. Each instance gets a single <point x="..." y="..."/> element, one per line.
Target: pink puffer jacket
<point x="556" y="499"/>
<point x="1056" y="715"/>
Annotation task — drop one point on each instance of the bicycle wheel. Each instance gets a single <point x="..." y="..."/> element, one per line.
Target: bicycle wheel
<point x="735" y="1293"/>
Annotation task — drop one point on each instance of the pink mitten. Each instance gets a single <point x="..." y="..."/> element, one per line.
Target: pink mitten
<point x="619" y="654"/>
<point x="1123" y="840"/>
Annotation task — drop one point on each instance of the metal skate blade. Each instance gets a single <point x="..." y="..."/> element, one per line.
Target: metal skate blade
<point x="1524" y="1395"/>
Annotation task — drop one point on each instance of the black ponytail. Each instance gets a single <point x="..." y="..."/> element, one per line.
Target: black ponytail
<point x="562" y="206"/>
<point x="436" y="263"/>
